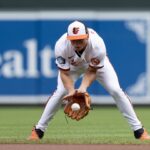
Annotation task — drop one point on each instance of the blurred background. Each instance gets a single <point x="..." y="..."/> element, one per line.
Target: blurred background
<point x="29" y="30"/>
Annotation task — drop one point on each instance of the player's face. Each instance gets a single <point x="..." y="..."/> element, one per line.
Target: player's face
<point x="79" y="44"/>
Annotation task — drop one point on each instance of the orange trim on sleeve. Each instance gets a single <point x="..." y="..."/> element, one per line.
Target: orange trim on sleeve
<point x="96" y="67"/>
<point x="64" y="69"/>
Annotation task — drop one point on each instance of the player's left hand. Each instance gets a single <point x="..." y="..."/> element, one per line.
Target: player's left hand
<point x="83" y="99"/>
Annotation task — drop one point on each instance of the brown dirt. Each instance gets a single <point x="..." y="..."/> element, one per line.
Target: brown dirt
<point x="72" y="147"/>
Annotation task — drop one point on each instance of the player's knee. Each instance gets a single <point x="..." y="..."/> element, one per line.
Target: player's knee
<point x="61" y="92"/>
<point x="57" y="95"/>
<point x="116" y="93"/>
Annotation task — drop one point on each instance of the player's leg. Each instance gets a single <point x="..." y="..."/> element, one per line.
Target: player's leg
<point x="52" y="106"/>
<point x="108" y="78"/>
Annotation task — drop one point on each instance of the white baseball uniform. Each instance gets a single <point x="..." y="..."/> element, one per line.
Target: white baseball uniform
<point x="95" y="56"/>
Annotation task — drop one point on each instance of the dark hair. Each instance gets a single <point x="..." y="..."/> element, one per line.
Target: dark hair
<point x="86" y="30"/>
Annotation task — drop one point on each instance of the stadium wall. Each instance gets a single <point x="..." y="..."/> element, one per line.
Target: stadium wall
<point x="28" y="73"/>
<point x="75" y="5"/>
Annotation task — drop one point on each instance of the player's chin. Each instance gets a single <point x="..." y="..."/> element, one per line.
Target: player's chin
<point x="78" y="48"/>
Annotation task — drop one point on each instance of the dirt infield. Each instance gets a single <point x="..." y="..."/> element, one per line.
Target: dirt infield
<point x="71" y="147"/>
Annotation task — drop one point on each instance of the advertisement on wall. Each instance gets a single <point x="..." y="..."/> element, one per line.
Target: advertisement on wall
<point x="28" y="73"/>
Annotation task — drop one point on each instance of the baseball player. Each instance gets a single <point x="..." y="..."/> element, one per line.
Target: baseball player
<point x="81" y="51"/>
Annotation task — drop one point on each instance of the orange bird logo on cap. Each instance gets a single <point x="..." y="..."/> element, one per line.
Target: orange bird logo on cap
<point x="75" y="30"/>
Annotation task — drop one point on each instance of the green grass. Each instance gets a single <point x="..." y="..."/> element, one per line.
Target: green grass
<point x="104" y="125"/>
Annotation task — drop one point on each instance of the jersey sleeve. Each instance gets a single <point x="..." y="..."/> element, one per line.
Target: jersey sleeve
<point x="97" y="61"/>
<point x="98" y="54"/>
<point x="61" y="59"/>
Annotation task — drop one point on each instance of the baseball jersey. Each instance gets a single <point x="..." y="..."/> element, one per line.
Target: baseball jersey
<point x="93" y="55"/>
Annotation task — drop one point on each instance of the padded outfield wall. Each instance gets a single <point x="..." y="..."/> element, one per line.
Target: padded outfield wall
<point x="28" y="74"/>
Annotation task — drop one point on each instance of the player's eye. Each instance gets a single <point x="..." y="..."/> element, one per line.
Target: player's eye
<point x="77" y="41"/>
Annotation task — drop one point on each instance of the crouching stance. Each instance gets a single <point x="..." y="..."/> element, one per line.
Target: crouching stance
<point x="81" y="51"/>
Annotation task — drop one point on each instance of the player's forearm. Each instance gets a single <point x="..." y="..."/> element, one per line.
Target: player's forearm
<point x="88" y="78"/>
<point x="67" y="81"/>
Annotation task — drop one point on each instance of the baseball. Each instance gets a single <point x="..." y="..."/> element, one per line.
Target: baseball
<point x="75" y="107"/>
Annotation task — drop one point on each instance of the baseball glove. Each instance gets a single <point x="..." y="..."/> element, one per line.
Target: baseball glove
<point x="83" y="99"/>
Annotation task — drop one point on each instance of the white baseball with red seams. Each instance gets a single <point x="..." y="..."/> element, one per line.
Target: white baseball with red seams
<point x="75" y="107"/>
